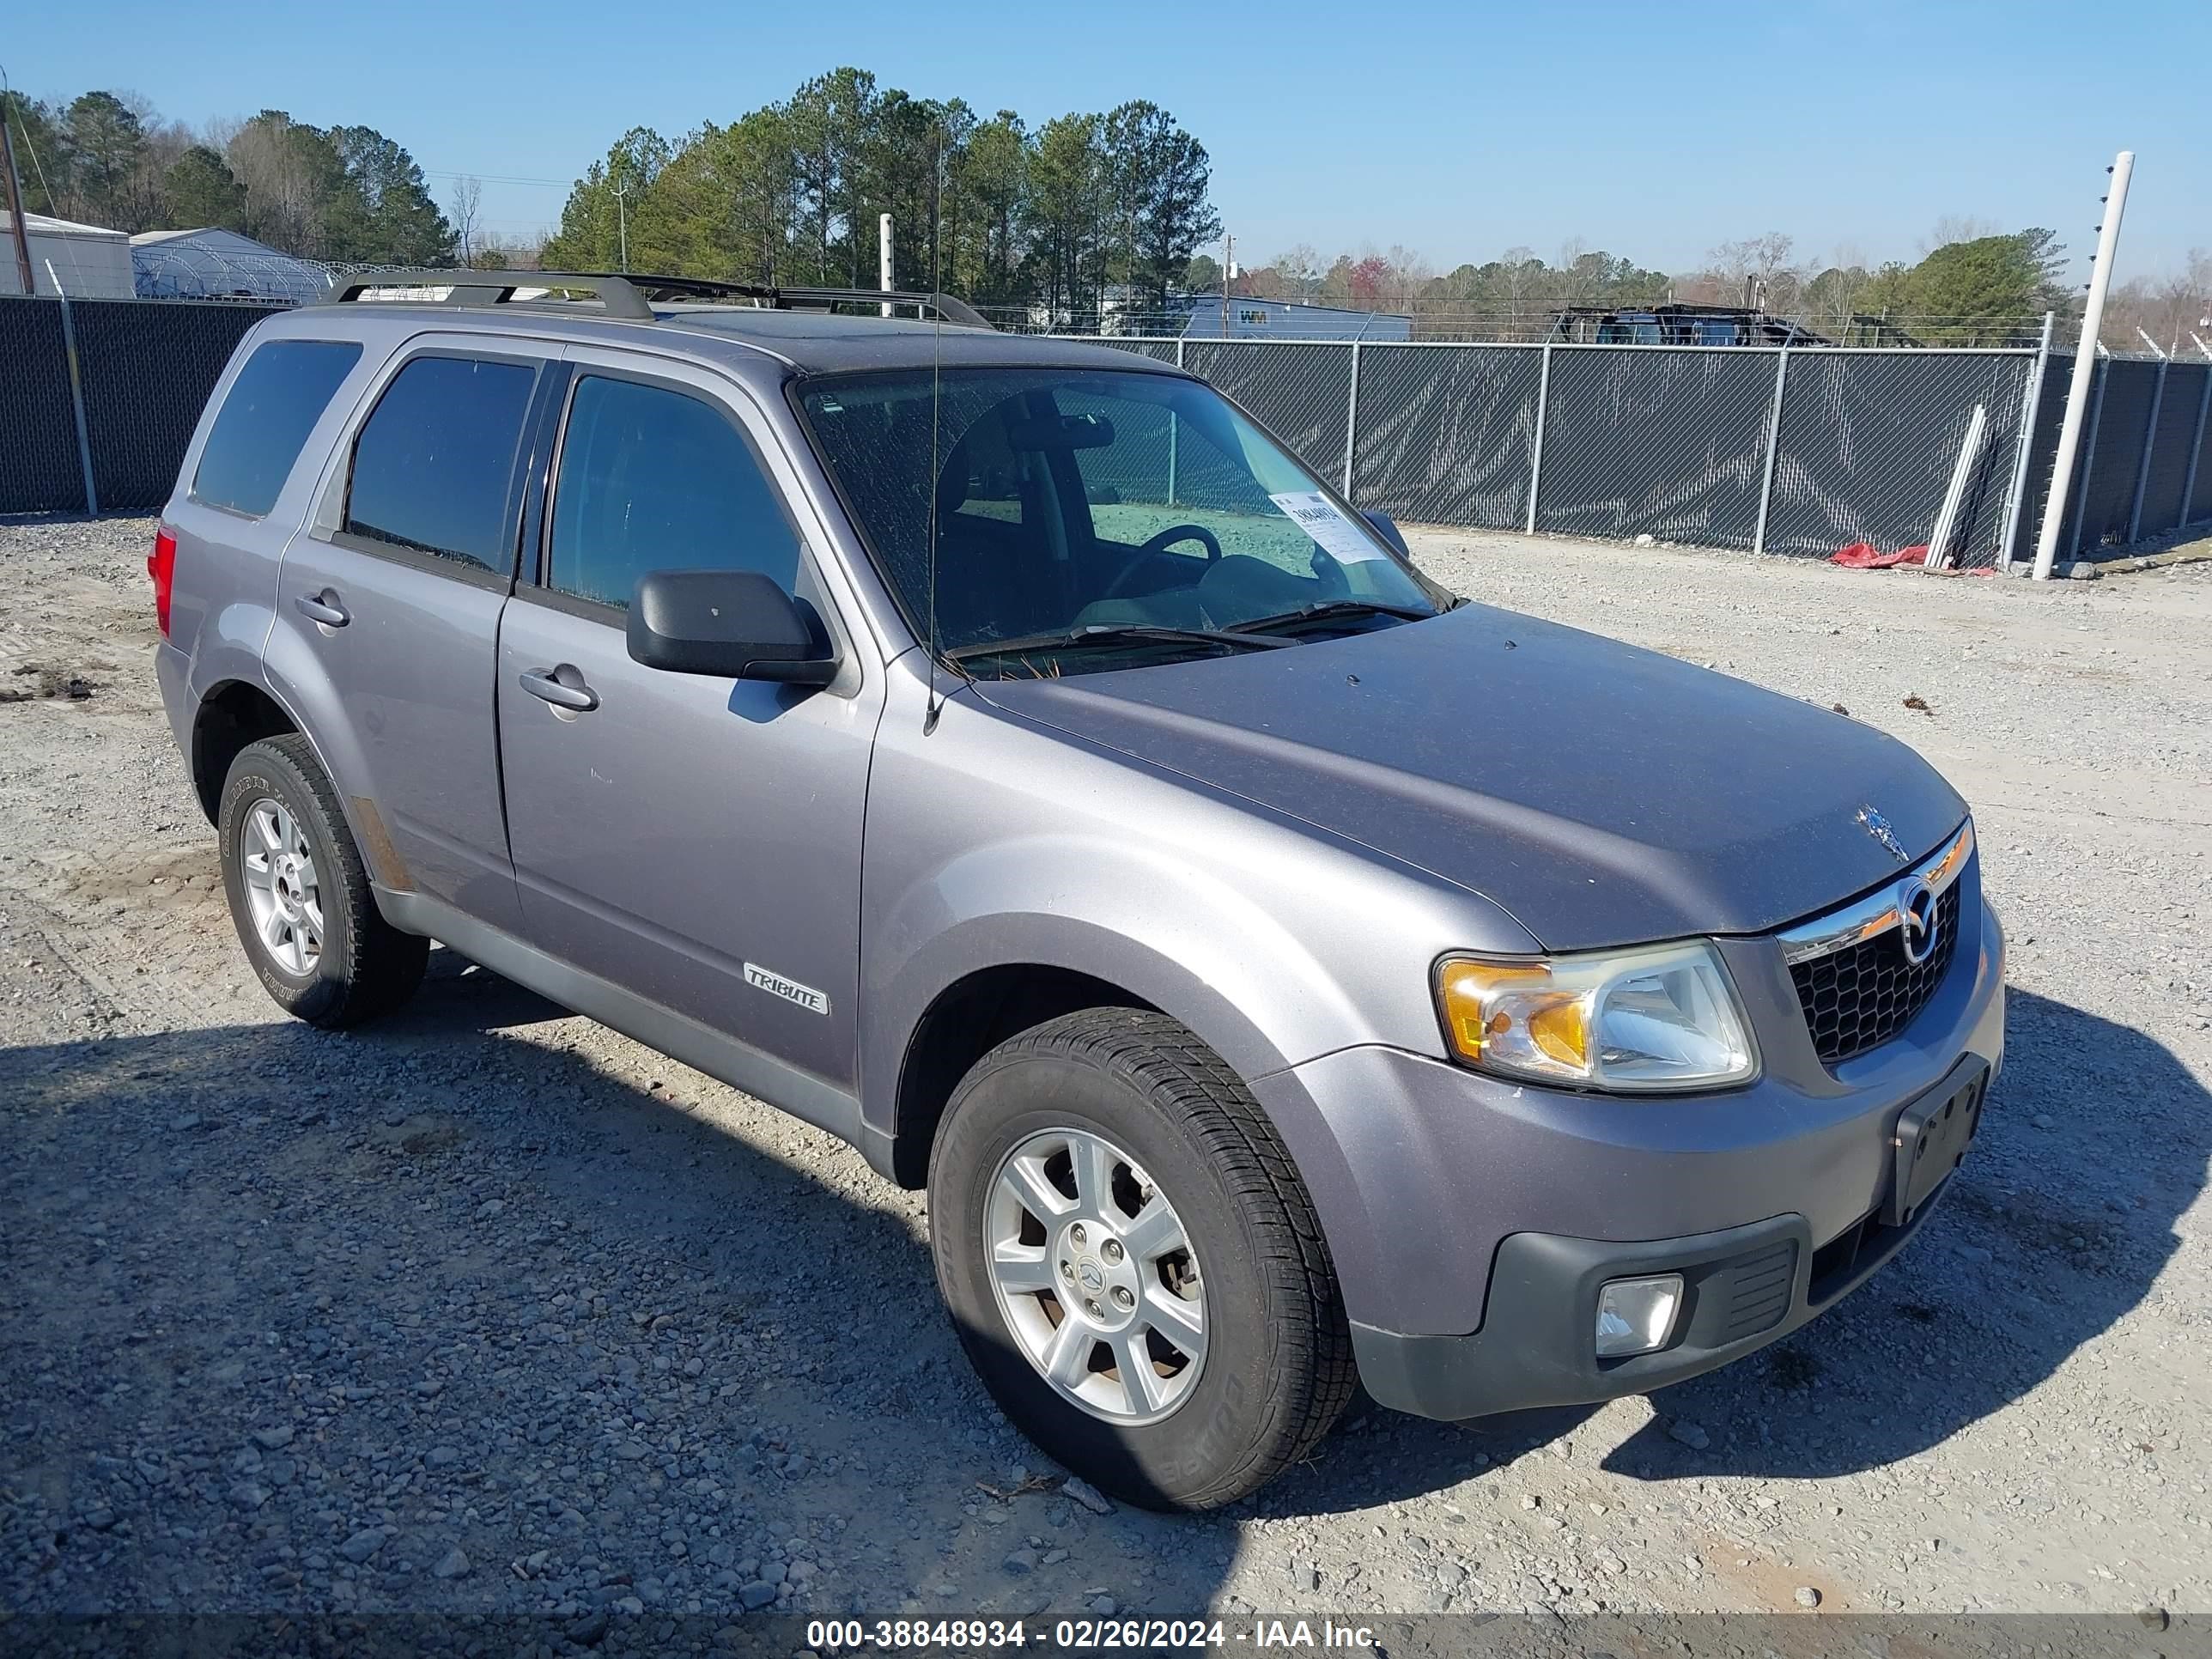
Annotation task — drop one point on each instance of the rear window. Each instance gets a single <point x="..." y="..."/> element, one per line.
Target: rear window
<point x="432" y="465"/>
<point x="273" y="405"/>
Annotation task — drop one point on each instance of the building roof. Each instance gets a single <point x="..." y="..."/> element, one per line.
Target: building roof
<point x="43" y="224"/>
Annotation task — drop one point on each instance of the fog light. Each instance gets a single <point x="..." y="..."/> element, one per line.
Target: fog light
<point x="1634" y="1315"/>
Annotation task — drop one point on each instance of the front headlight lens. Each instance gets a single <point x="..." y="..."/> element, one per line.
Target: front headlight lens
<point x="1665" y="1017"/>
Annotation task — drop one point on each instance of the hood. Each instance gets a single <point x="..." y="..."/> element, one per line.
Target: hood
<point x="1601" y="793"/>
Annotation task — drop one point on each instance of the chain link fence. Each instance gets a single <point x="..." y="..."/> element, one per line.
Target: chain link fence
<point x="1798" y="450"/>
<point x="1802" y="451"/>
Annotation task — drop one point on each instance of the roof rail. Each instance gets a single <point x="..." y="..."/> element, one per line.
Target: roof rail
<point x="628" y="295"/>
<point x="497" y="287"/>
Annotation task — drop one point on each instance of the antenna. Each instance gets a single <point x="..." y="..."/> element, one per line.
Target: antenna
<point x="934" y="703"/>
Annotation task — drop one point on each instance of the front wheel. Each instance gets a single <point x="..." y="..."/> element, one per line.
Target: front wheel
<point x="1132" y="1265"/>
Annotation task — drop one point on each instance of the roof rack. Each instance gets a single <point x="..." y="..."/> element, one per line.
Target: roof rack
<point x="627" y="296"/>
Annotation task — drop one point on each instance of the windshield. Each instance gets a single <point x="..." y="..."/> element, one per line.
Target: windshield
<point x="1074" y="500"/>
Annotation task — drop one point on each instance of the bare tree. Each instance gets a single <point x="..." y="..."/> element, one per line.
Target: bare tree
<point x="466" y="209"/>
<point x="1958" y="227"/>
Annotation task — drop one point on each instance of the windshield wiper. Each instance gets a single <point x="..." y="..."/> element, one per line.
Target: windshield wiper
<point x="1331" y="608"/>
<point x="1112" y="634"/>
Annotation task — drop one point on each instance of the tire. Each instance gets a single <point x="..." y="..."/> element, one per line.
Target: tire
<point x="1276" y="1368"/>
<point x="361" y="966"/>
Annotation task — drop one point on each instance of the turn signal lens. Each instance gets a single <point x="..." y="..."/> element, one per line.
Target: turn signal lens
<point x="1662" y="1018"/>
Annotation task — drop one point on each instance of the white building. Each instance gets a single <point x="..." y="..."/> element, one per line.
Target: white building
<point x="88" y="262"/>
<point x="207" y="263"/>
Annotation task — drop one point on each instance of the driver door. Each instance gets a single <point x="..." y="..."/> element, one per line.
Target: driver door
<point x="692" y="838"/>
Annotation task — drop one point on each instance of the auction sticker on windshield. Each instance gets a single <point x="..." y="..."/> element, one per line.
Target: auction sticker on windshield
<point x="1322" y="519"/>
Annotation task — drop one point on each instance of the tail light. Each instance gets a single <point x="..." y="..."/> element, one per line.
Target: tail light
<point x="162" y="566"/>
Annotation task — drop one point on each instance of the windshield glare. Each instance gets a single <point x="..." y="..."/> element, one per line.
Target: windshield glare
<point x="1073" y="499"/>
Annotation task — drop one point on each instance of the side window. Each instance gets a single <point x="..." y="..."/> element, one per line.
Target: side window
<point x="652" y="479"/>
<point x="273" y="404"/>
<point x="433" y="462"/>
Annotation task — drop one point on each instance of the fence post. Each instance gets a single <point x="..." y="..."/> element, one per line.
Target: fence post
<point x="2197" y="448"/>
<point x="1773" y="448"/>
<point x="2150" y="446"/>
<point x="1351" y="420"/>
<point x="76" y="396"/>
<point x="2087" y="471"/>
<point x="1536" y="451"/>
<point x="2032" y="405"/>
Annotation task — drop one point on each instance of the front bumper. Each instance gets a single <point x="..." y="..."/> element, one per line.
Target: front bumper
<point x="1470" y="1220"/>
<point x="1743" y="1288"/>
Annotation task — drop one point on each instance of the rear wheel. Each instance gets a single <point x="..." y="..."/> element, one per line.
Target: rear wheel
<point x="1133" y="1264"/>
<point x="299" y="894"/>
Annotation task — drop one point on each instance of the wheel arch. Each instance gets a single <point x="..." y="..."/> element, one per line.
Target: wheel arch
<point x="965" y="1021"/>
<point x="233" y="713"/>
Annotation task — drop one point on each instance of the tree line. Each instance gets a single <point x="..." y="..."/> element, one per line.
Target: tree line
<point x="986" y="207"/>
<point x="346" y="194"/>
<point x="1089" y="220"/>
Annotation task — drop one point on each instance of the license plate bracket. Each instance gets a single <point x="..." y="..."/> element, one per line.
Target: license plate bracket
<point x="1932" y="1136"/>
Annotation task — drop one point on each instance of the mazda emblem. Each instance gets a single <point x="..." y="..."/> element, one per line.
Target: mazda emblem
<point x="1916" y="919"/>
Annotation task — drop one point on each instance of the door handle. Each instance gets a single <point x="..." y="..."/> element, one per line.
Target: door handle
<point x="323" y="607"/>
<point x="562" y="687"/>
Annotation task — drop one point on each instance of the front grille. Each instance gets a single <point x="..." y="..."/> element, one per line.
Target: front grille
<point x="1860" y="997"/>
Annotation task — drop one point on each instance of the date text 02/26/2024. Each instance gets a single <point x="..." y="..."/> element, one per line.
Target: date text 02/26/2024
<point x="1078" y="1635"/>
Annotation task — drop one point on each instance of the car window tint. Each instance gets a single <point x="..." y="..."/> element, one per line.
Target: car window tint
<point x="272" y="405"/>
<point x="431" y="468"/>
<point x="652" y="479"/>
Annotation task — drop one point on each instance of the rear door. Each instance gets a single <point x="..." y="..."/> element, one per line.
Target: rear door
<point x="388" y="608"/>
<point x="695" y="840"/>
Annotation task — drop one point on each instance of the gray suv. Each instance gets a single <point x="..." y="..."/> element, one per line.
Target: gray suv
<point x="1003" y="754"/>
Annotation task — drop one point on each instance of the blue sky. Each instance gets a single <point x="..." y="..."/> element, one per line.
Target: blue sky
<point x="1454" y="129"/>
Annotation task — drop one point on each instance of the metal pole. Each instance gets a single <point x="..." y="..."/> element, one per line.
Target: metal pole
<point x="1228" y="270"/>
<point x="14" y="186"/>
<point x="2197" y="447"/>
<point x="1351" y="420"/>
<point x="1773" y="449"/>
<point x="2032" y="405"/>
<point x="1536" y="450"/>
<point x="622" y="223"/>
<point x="884" y="257"/>
<point x="2150" y="446"/>
<point x="2089" y="465"/>
<point x="1938" y="557"/>
<point x="77" y="391"/>
<point x="2085" y="364"/>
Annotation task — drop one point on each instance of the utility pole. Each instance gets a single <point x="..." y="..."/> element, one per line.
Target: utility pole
<point x="2085" y="369"/>
<point x="15" y="188"/>
<point x="621" y="219"/>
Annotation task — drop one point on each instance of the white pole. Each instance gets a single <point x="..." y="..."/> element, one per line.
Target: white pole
<point x="2085" y="365"/>
<point x="884" y="257"/>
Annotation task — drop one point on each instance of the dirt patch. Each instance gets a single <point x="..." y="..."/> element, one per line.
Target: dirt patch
<point x="36" y="680"/>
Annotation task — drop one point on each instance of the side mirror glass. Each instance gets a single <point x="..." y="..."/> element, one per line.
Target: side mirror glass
<point x="732" y="623"/>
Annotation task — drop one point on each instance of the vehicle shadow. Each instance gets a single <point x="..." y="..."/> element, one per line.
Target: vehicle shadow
<point x="2095" y="1141"/>
<point x="598" y="1280"/>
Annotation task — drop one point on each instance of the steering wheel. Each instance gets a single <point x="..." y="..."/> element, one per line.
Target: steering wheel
<point x="1159" y="545"/>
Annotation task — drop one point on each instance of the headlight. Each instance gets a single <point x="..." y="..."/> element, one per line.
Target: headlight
<point x="1664" y="1016"/>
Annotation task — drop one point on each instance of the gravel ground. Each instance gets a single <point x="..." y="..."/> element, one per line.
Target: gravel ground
<point x="488" y="1309"/>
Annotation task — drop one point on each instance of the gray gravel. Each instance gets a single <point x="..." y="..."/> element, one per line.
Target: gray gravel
<point x="488" y="1310"/>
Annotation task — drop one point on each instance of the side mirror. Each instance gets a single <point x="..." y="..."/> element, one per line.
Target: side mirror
<point x="1387" y="527"/>
<point x="737" y="623"/>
